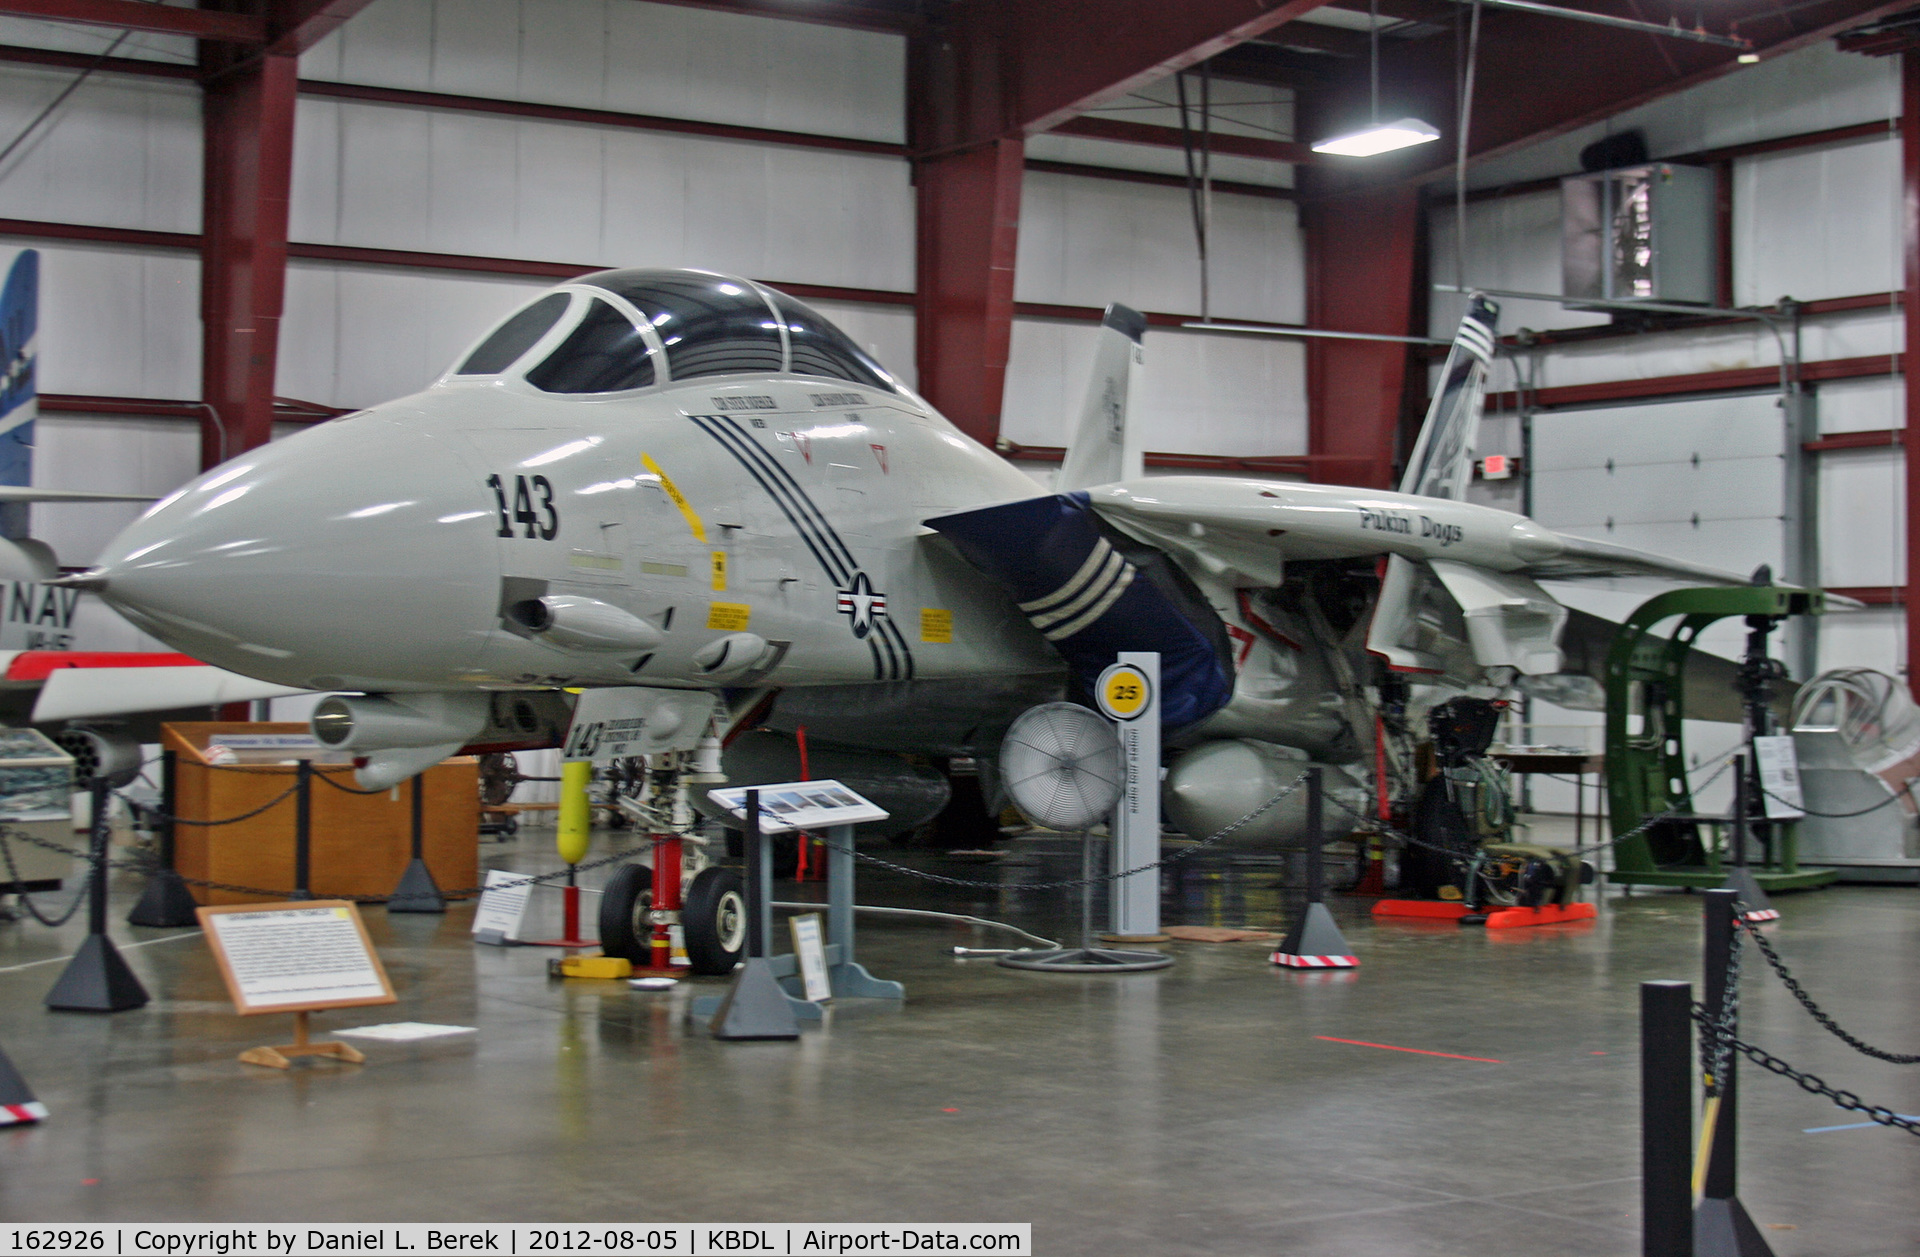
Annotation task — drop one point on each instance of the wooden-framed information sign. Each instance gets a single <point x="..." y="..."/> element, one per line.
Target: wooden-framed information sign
<point x="295" y="958"/>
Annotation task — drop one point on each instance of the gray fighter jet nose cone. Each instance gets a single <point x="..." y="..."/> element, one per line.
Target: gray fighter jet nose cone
<point x="366" y="521"/>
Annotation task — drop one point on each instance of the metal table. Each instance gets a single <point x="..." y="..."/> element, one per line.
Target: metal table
<point x="1578" y="764"/>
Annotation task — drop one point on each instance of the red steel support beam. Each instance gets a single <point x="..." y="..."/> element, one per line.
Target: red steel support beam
<point x="1910" y="237"/>
<point x="1169" y="137"/>
<point x="1360" y="278"/>
<point x="968" y="230"/>
<point x="134" y="15"/>
<point x="1731" y="380"/>
<point x="293" y="26"/>
<point x="248" y="132"/>
<point x="1068" y="56"/>
<point x="1871" y="439"/>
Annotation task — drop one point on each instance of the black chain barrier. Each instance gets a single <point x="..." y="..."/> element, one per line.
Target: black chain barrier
<point x="1718" y="1042"/>
<point x="1814" y="1010"/>
<point x="1374" y="825"/>
<point x="147" y="866"/>
<point x="1070" y="882"/>
<point x="1810" y="1083"/>
<point x="346" y="789"/>
<point x="26" y="900"/>
<point x="1833" y="816"/>
<point x="1717" y="1037"/>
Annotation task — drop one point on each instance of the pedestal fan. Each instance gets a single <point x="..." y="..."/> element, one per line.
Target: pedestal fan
<point x="1063" y="768"/>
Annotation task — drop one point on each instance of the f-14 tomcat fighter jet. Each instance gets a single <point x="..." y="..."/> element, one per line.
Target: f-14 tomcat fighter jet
<point x="666" y="482"/>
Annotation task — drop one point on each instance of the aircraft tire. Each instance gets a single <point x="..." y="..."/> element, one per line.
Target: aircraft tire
<point x="624" y="902"/>
<point x="714" y="917"/>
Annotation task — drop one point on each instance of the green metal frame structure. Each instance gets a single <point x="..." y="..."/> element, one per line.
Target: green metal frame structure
<point x="1647" y="768"/>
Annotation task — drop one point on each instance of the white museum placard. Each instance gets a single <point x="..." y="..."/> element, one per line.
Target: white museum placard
<point x="810" y="956"/>
<point x="285" y="957"/>
<point x="503" y="903"/>
<point x="1780" y="796"/>
<point x="809" y="805"/>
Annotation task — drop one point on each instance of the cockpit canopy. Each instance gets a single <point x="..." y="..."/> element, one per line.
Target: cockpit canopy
<point x="621" y="330"/>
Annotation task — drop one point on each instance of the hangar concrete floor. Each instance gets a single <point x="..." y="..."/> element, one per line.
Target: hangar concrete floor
<point x="1208" y="1108"/>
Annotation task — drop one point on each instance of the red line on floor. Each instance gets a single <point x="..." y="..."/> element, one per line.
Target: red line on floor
<point x="1388" y="1047"/>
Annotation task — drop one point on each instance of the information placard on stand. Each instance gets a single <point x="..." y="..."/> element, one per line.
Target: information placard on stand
<point x="296" y="958"/>
<point x="503" y="904"/>
<point x="809" y="805"/>
<point x="810" y="956"/>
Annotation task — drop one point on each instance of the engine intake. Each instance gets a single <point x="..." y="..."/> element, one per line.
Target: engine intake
<point x="584" y="623"/>
<point x="378" y="722"/>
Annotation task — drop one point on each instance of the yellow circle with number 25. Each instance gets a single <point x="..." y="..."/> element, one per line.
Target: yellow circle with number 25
<point x="1123" y="692"/>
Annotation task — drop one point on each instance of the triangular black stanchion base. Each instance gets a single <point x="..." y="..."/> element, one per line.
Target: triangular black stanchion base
<point x="1755" y="906"/>
<point x="1721" y="1228"/>
<point x="17" y="1104"/>
<point x="417" y="891"/>
<point x="756" y="1007"/>
<point x="165" y="904"/>
<point x="97" y="981"/>
<point x="1315" y="934"/>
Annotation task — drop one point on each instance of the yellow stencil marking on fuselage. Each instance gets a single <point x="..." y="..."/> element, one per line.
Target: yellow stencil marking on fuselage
<point x="679" y="498"/>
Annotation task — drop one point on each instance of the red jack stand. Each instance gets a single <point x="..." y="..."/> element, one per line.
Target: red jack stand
<point x="666" y="898"/>
<point x="569" y="918"/>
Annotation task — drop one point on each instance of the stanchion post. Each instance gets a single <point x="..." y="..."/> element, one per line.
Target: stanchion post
<point x="166" y="903"/>
<point x="759" y="882"/>
<point x="1721" y="1166"/>
<point x="417" y="891"/>
<point x="1721" y="1226"/>
<point x="1666" y="1119"/>
<point x="97" y="980"/>
<point x="1740" y="878"/>
<point x="1740" y="811"/>
<point x="755" y="1007"/>
<point x="303" y="830"/>
<point x="418" y="820"/>
<point x="1315" y="941"/>
<point x="1316" y="863"/>
<point x="97" y="835"/>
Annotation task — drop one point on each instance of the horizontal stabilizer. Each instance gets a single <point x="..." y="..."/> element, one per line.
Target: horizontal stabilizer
<point x="1583" y="559"/>
<point x="77" y="693"/>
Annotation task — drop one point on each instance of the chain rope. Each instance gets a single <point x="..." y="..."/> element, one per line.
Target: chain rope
<point x="1814" y="1010"/>
<point x="26" y="900"/>
<point x="150" y="866"/>
<point x="1719" y="1040"/>
<point x="346" y="789"/>
<point x="1810" y="1083"/>
<point x="1068" y="883"/>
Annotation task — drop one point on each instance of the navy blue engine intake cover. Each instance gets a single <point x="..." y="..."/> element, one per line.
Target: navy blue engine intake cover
<point x="1092" y="592"/>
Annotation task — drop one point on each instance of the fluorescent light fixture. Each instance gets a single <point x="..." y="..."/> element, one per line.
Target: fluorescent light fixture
<point x="1381" y="137"/>
<point x="1748" y="58"/>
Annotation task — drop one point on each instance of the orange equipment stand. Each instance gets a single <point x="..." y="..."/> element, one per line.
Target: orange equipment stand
<point x="1497" y="918"/>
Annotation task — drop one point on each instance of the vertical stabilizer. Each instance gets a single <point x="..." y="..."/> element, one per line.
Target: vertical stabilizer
<point x="19" y="400"/>
<point x="1103" y="450"/>
<point x="1442" y="462"/>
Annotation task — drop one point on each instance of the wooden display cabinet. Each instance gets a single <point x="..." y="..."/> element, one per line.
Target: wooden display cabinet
<point x="360" y="843"/>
